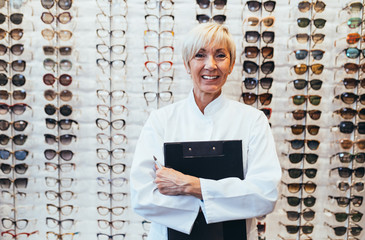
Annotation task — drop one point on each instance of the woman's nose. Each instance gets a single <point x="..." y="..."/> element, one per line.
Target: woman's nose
<point x="210" y="63"/>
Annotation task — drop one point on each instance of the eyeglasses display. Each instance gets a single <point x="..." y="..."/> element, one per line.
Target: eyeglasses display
<point x="254" y="36"/>
<point x="310" y="158"/>
<point x="63" y="18"/>
<point x="301" y="114"/>
<point x="17" y="80"/>
<point x="103" y="236"/>
<point x="298" y="143"/>
<point x="345" y="172"/>
<point x="20" y="168"/>
<point x="346" y="157"/>
<point x="298" y="172"/>
<point x="116" y="224"/>
<point x="305" y="6"/>
<point x="64" y="236"/>
<point x="266" y="21"/>
<point x="298" y="129"/>
<point x="63" y="4"/>
<point x="66" y="155"/>
<point x="64" y="124"/>
<point x="340" y="231"/>
<point x="342" y="216"/>
<point x="357" y="186"/>
<point x="345" y="201"/>
<point x="307" y="214"/>
<point x="251" y="98"/>
<point x="255" y="6"/>
<point x="309" y="187"/>
<point x="293" y="229"/>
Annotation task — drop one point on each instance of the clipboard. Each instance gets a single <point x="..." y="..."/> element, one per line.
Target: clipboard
<point x="211" y="160"/>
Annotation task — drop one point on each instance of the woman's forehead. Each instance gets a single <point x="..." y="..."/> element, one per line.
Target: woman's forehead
<point x="214" y="47"/>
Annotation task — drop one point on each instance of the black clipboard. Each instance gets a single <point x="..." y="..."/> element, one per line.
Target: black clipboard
<point x="211" y="160"/>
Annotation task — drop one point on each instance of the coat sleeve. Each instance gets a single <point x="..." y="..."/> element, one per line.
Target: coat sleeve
<point x="256" y="195"/>
<point x="176" y="212"/>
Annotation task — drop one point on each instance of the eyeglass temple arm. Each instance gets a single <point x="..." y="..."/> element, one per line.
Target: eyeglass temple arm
<point x="338" y="40"/>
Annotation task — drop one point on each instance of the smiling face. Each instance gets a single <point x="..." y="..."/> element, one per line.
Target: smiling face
<point x="209" y="69"/>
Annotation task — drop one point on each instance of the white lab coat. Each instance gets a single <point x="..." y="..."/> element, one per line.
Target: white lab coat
<point x="226" y="199"/>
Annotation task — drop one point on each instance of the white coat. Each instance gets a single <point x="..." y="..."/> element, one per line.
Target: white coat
<point x="226" y="199"/>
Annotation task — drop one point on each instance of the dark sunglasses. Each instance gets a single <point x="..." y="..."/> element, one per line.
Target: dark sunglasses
<point x="251" y="83"/>
<point x="251" y="67"/>
<point x="18" y="182"/>
<point x="350" y="98"/>
<point x="64" y="139"/>
<point x="16" y="49"/>
<point x="295" y="201"/>
<point x="252" y="52"/>
<point x="300" y="84"/>
<point x="342" y="216"/>
<point x="203" y="18"/>
<point x="64" y="79"/>
<point x="65" y="95"/>
<point x="267" y="112"/>
<point x="18" y="154"/>
<point x="308" y="215"/>
<point x="316" y="68"/>
<point x="250" y="98"/>
<point x="64" y="124"/>
<point x="345" y="172"/>
<point x="66" y="155"/>
<point x="340" y="231"/>
<point x="309" y="187"/>
<point x="17" y="139"/>
<point x="255" y="6"/>
<point x="17" y="80"/>
<point x="293" y="229"/>
<point x="345" y="201"/>
<point x="354" y="7"/>
<point x="18" y="108"/>
<point x="351" y="83"/>
<point x="16" y="65"/>
<point x="299" y="129"/>
<point x="344" y="186"/>
<point x="19" y="125"/>
<point x="301" y="54"/>
<point x="300" y="99"/>
<point x="300" y="114"/>
<point x="299" y="143"/>
<point x="19" y="94"/>
<point x="297" y="172"/>
<point x="294" y="158"/>
<point x="63" y="51"/>
<point x="15" y="18"/>
<point x="218" y="4"/>
<point x="254" y="36"/>
<point x="351" y="68"/>
<point x="318" y="23"/>
<point x="15" y="34"/>
<point x="63" y="4"/>
<point x="349" y="127"/>
<point x="18" y="168"/>
<point x="305" y="6"/>
<point x="346" y="157"/>
<point x="65" y="110"/>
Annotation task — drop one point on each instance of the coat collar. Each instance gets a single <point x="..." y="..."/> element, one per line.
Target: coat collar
<point x="211" y="108"/>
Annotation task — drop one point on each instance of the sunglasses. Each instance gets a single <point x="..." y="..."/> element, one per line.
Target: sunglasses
<point x="267" y="21"/>
<point x="18" y="108"/>
<point x="354" y="7"/>
<point x="311" y="158"/>
<point x="295" y="201"/>
<point x="253" y="52"/>
<point x="251" y="83"/>
<point x="344" y="186"/>
<point x="64" y="139"/>
<point x="116" y="196"/>
<point x="309" y="187"/>
<point x="305" y="6"/>
<point x="350" y="98"/>
<point x="297" y="172"/>
<point x="115" y="168"/>
<point x="293" y="229"/>
<point x="203" y="18"/>
<point x="18" y="183"/>
<point x="300" y="84"/>
<point x="346" y="157"/>
<point x="298" y="129"/>
<point x="64" y="124"/>
<point x="63" y="167"/>
<point x="251" y="67"/>
<point x="17" y="80"/>
<point x="17" y="139"/>
<point x="105" y="95"/>
<point x="117" y="153"/>
<point x="18" y="168"/>
<point x="15" y="34"/>
<point x="117" y="211"/>
<point x="16" y="65"/>
<point x="49" y="18"/>
<point x="59" y="182"/>
<point x="51" y="50"/>
<point x="300" y="99"/>
<point x="15" y="18"/>
<point x="353" y="38"/>
<point x="307" y="214"/>
<point x="65" y="95"/>
<point x="19" y="125"/>
<point x="354" y="52"/>
<point x="340" y="231"/>
<point x="342" y="216"/>
<point x="63" y="35"/>
<point x="250" y="98"/>
<point x="255" y="6"/>
<point x="16" y="94"/>
<point x="298" y="143"/>
<point x="18" y="154"/>
<point x="117" y="124"/>
<point x="64" y="195"/>
<point x="300" y="114"/>
<point x="354" y="22"/>
<point x="63" y="4"/>
<point x="351" y="68"/>
<point x="267" y="112"/>
<point x="300" y="69"/>
<point x="50" y="64"/>
<point x="301" y="54"/>
<point x="351" y="83"/>
<point x="16" y="49"/>
<point x="218" y="4"/>
<point x="345" y="172"/>
<point x="254" y="36"/>
<point x="304" y="38"/>
<point x="347" y="143"/>
<point x="318" y="23"/>
<point x="349" y="127"/>
<point x="50" y="154"/>
<point x="65" y="110"/>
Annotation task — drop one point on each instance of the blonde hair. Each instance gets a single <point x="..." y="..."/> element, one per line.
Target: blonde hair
<point x="205" y="34"/>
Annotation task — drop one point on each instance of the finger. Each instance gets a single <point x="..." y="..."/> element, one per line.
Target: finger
<point x="156" y="166"/>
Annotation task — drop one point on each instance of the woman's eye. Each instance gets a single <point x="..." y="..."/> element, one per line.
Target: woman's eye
<point x="199" y="55"/>
<point x="221" y="55"/>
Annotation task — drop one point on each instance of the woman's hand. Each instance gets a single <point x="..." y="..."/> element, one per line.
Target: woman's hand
<point x="172" y="182"/>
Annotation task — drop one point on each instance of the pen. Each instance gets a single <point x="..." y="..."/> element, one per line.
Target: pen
<point x="157" y="162"/>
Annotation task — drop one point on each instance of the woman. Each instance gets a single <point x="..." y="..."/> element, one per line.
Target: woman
<point x="171" y="199"/>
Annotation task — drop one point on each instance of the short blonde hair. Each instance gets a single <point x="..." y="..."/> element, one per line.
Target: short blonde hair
<point x="205" y="34"/>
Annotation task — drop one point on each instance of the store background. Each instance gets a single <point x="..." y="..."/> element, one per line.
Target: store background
<point x="88" y="183"/>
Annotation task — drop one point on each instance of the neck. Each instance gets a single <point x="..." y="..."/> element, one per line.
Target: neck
<point x="203" y="99"/>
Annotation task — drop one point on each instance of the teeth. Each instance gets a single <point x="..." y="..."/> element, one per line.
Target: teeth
<point x="210" y="77"/>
